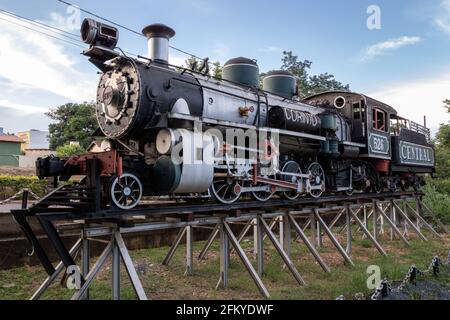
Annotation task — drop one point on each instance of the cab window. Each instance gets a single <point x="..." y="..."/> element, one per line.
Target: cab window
<point x="379" y="120"/>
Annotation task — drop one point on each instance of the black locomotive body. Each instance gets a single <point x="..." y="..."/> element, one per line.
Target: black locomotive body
<point x="176" y="132"/>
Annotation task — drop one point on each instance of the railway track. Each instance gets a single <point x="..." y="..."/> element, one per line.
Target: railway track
<point x="71" y="202"/>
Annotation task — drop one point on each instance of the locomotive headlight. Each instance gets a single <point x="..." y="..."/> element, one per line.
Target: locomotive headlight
<point x="165" y="141"/>
<point x="96" y="33"/>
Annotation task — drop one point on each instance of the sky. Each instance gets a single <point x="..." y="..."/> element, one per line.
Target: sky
<point x="394" y="51"/>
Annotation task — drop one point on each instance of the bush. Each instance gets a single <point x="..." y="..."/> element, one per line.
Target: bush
<point x="438" y="202"/>
<point x="9" y="185"/>
<point x="68" y="150"/>
<point x="440" y="185"/>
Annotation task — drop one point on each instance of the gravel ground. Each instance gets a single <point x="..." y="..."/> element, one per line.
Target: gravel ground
<point x="426" y="287"/>
<point x="16" y="171"/>
<point x="432" y="289"/>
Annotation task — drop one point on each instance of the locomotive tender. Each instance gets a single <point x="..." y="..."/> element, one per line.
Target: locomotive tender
<point x="171" y="131"/>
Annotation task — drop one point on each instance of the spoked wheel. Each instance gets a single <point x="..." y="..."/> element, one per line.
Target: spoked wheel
<point x="126" y="191"/>
<point x="417" y="184"/>
<point x="291" y="167"/>
<point x="349" y="192"/>
<point x="375" y="184"/>
<point x="379" y="185"/>
<point x="417" y="187"/>
<point x="225" y="190"/>
<point x="378" y="188"/>
<point x="404" y="185"/>
<point x="317" y="178"/>
<point x="262" y="196"/>
<point x="393" y="186"/>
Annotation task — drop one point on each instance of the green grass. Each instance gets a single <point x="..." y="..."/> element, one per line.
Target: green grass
<point x="169" y="282"/>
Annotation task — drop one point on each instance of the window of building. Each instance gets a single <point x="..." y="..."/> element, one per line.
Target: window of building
<point x="379" y="120"/>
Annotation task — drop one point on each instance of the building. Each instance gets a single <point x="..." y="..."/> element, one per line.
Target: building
<point x="36" y="145"/>
<point x="10" y="150"/>
<point x="24" y="148"/>
<point x="34" y="140"/>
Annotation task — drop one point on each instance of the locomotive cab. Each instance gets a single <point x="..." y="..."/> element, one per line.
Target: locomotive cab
<point x="368" y="119"/>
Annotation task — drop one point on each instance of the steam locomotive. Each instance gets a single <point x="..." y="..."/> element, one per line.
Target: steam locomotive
<point x="171" y="131"/>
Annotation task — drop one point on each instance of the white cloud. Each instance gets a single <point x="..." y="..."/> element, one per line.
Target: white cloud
<point x="442" y="24"/>
<point x="417" y="98"/>
<point x="271" y="49"/>
<point x="69" y="22"/>
<point x="16" y="117"/>
<point x="442" y="19"/>
<point x="382" y="48"/>
<point x="34" y="60"/>
<point x="22" y="108"/>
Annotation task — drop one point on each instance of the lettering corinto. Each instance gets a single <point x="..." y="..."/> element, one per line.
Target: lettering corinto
<point x="301" y="117"/>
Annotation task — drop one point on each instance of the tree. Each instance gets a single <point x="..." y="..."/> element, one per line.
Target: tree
<point x="447" y="105"/>
<point x="193" y="64"/>
<point x="217" y="70"/>
<point x="442" y="143"/>
<point x="307" y="84"/>
<point x="72" y="122"/>
<point x="324" y="82"/>
<point x="298" y="68"/>
<point x="197" y="65"/>
<point x="443" y="136"/>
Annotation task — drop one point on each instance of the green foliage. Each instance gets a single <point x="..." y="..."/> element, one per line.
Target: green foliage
<point x="72" y="122"/>
<point x="439" y="185"/>
<point x="309" y="85"/>
<point x="217" y="70"/>
<point x="68" y="150"/>
<point x="197" y="65"/>
<point x="298" y="68"/>
<point x="9" y="185"/>
<point x="438" y="190"/>
<point x="442" y="162"/>
<point x="324" y="82"/>
<point x="193" y="64"/>
<point x="447" y="105"/>
<point x="443" y="136"/>
<point x="437" y="198"/>
<point x="442" y="144"/>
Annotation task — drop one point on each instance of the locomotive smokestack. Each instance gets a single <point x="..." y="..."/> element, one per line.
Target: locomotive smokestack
<point x="158" y="36"/>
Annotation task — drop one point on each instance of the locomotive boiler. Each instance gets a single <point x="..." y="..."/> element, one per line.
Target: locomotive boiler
<point x="172" y="131"/>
